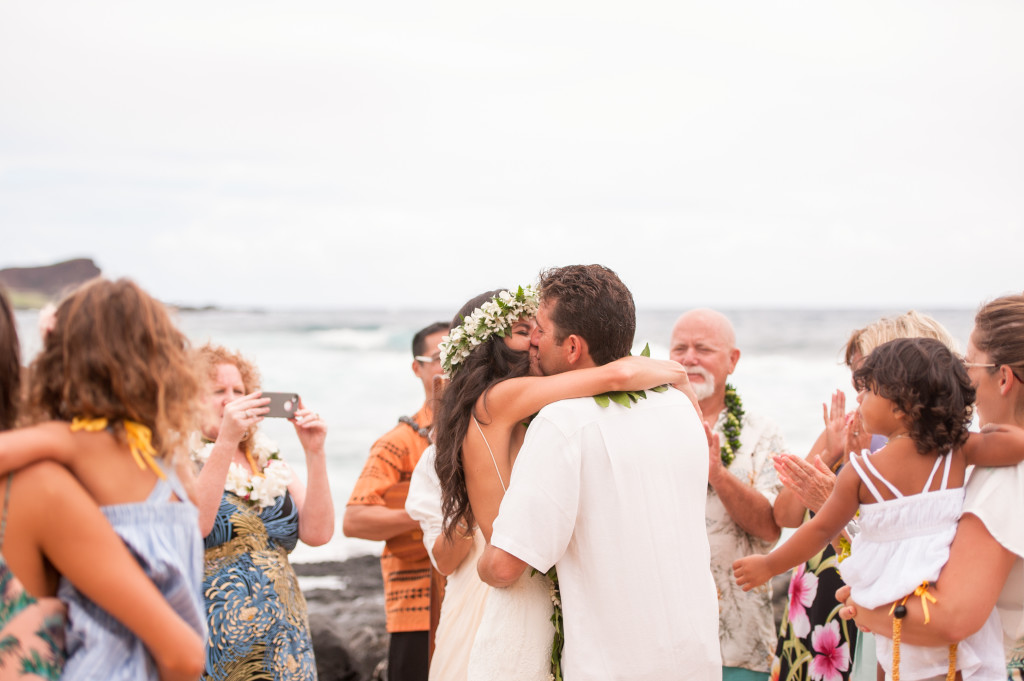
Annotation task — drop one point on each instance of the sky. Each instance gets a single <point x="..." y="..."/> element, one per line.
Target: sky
<point x="406" y="154"/>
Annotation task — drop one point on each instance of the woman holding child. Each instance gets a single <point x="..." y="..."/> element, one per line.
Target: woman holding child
<point x="808" y="483"/>
<point x="985" y="569"/>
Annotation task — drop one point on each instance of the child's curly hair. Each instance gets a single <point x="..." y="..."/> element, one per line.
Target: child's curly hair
<point x="928" y="383"/>
<point x="114" y="353"/>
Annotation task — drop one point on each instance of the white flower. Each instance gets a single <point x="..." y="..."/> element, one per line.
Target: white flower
<point x="202" y="453"/>
<point x="237" y="481"/>
<point x="262" y="488"/>
<point x="268" y="487"/>
<point x="495" y="317"/>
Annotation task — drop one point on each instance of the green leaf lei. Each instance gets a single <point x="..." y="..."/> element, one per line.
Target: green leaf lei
<point x="732" y="426"/>
<point x="556" y="620"/>
<point x="627" y="397"/>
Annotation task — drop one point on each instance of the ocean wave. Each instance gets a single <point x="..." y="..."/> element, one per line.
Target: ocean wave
<point x="358" y="339"/>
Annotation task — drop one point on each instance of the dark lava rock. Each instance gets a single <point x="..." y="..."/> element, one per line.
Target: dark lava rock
<point x="348" y="627"/>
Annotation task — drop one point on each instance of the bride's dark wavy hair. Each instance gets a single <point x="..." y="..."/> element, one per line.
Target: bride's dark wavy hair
<point x="487" y="365"/>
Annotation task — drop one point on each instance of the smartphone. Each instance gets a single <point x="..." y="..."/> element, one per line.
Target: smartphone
<point x="282" y="405"/>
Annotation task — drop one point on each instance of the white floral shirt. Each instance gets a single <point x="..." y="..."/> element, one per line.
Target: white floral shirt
<point x="746" y="626"/>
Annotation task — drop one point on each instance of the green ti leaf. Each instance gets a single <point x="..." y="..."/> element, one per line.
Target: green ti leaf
<point x="621" y="397"/>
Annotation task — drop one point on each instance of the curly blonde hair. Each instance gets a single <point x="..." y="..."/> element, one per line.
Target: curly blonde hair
<point x="114" y="353"/>
<point x="209" y="356"/>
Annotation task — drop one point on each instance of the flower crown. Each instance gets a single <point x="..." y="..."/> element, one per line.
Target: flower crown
<point x="494" y="318"/>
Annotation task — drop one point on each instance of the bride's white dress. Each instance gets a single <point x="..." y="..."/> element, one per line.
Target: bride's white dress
<point x="514" y="640"/>
<point x="515" y="634"/>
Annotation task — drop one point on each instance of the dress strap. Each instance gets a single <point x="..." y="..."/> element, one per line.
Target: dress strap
<point x="881" y="478"/>
<point x="7" y="500"/>
<point x="167" y="484"/>
<point x="866" y="480"/>
<point x="935" y="469"/>
<point x="949" y="465"/>
<point x="488" y="445"/>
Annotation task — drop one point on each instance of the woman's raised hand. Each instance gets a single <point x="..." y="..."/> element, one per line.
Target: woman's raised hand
<point x="857" y="438"/>
<point x="242" y="414"/>
<point x="310" y="429"/>
<point x="836" y="422"/>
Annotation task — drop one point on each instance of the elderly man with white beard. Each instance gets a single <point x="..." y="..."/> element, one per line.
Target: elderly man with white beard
<point x="742" y="486"/>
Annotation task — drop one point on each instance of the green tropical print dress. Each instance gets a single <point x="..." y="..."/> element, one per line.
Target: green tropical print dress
<point x="31" y="629"/>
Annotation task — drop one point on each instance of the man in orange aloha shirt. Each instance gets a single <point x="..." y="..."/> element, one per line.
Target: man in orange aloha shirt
<point x="376" y="511"/>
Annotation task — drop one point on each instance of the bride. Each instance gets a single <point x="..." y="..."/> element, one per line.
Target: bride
<point x="494" y="389"/>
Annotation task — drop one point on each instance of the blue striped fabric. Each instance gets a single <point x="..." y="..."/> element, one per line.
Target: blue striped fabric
<point x="164" y="537"/>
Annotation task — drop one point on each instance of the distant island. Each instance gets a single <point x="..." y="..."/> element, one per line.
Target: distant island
<point x="33" y="287"/>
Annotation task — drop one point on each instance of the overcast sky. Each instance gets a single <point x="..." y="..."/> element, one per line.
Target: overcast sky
<point x="333" y="153"/>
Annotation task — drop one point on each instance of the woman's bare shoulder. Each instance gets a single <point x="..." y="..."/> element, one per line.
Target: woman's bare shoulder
<point x="47" y="484"/>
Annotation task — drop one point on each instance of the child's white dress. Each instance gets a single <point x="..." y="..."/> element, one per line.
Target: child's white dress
<point x="903" y="542"/>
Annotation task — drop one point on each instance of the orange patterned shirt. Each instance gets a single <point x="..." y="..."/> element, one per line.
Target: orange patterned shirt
<point x="404" y="562"/>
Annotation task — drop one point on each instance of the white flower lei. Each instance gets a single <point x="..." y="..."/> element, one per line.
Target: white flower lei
<point x="263" y="488"/>
<point x="494" y="318"/>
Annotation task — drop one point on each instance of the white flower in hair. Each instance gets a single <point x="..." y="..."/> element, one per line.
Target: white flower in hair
<point x="494" y="318"/>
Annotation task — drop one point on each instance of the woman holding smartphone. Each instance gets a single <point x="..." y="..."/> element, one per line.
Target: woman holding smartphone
<point x="252" y="511"/>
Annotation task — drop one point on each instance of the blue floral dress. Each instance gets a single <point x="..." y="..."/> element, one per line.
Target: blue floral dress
<point x="259" y="628"/>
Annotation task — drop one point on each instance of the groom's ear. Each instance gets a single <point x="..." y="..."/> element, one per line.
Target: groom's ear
<point x="575" y="348"/>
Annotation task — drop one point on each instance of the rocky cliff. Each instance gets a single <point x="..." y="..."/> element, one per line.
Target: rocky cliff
<point x="33" y="286"/>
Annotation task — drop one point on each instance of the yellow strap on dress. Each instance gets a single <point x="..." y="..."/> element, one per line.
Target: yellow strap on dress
<point x="140" y="440"/>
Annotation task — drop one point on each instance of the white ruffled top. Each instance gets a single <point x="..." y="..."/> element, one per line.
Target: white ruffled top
<point x="903" y="541"/>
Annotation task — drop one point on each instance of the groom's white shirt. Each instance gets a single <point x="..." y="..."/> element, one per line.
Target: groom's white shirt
<point x="614" y="497"/>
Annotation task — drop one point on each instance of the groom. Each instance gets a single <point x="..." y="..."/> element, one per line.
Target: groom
<point x="614" y="498"/>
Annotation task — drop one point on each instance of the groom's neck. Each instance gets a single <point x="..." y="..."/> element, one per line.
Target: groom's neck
<point x="584" y="362"/>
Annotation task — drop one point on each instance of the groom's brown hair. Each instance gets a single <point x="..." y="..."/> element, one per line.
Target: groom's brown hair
<point x="591" y="302"/>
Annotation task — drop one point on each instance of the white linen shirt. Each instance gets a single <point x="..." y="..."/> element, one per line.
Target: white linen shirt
<point x="613" y="497"/>
<point x="746" y="623"/>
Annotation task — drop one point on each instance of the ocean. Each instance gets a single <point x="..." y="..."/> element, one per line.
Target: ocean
<point x="354" y="368"/>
